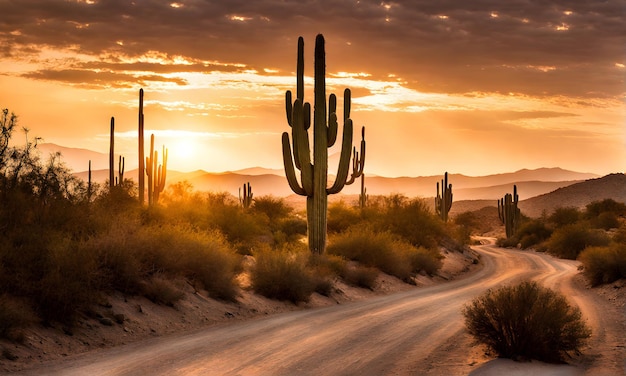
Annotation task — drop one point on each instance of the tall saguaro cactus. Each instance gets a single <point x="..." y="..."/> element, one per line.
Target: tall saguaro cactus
<point x="141" y="171"/>
<point x="111" y="155"/>
<point x="156" y="173"/>
<point x="443" y="201"/>
<point x="509" y="213"/>
<point x="314" y="174"/>
<point x="120" y="170"/>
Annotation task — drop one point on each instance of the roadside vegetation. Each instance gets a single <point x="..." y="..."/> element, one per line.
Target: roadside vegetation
<point x="596" y="236"/>
<point x="526" y="321"/>
<point x="66" y="244"/>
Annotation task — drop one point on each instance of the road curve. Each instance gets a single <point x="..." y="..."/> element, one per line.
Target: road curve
<point x="397" y="334"/>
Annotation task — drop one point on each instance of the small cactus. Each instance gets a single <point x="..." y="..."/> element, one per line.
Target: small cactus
<point x="246" y="199"/>
<point x="509" y="213"/>
<point x="443" y="201"/>
<point x="363" y="196"/>
<point x="156" y="173"/>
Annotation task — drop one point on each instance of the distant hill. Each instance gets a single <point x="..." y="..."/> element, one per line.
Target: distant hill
<point x="77" y="159"/>
<point x="577" y="195"/>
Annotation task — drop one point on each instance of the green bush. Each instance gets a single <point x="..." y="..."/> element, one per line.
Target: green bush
<point x="568" y="241"/>
<point x="341" y="217"/>
<point x="604" y="264"/>
<point x="526" y="321"/>
<point x="282" y="274"/>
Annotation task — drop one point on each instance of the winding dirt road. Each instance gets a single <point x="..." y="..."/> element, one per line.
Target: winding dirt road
<point x="419" y="332"/>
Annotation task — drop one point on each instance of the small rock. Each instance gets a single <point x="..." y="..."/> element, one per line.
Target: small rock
<point x="119" y="318"/>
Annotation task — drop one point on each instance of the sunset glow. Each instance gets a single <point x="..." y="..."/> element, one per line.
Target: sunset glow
<point x="467" y="89"/>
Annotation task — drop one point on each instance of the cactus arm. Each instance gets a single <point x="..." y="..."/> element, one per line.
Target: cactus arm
<point x="333" y="126"/>
<point x="358" y="161"/>
<point x="344" y="160"/>
<point x="290" y="171"/>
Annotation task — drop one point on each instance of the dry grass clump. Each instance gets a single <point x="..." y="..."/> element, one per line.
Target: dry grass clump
<point x="15" y="314"/>
<point x="526" y="321"/>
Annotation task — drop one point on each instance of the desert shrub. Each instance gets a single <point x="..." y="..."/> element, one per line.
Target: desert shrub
<point x="568" y="241"/>
<point x="532" y="232"/>
<point x="426" y="260"/>
<point x="413" y="221"/>
<point x="361" y="276"/>
<point x="564" y="216"/>
<point x="608" y="205"/>
<point x="341" y="216"/>
<point x="273" y="207"/>
<point x="293" y="228"/>
<point x="604" y="264"/>
<point x="526" y="321"/>
<point x="162" y="291"/>
<point x="282" y="274"/>
<point x="382" y="250"/>
<point x="15" y="314"/>
<point x="605" y="221"/>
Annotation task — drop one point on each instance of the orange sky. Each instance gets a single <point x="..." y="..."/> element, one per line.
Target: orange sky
<point x="465" y="87"/>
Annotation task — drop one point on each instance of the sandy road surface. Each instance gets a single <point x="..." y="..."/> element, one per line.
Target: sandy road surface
<point x="411" y="333"/>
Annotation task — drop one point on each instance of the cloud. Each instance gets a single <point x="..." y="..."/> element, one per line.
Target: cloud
<point x="520" y="46"/>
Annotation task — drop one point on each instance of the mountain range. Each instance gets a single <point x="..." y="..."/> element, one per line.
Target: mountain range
<point x="538" y="189"/>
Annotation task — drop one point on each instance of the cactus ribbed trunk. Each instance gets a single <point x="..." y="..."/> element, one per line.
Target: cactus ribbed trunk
<point x="142" y="170"/>
<point x="319" y="202"/>
<point x="111" y="155"/>
<point x="314" y="176"/>
<point x="443" y="201"/>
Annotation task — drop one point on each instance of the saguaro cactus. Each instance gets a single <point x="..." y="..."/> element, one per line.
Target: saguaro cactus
<point x="363" y="196"/>
<point x="156" y="173"/>
<point x="246" y="199"/>
<point x="314" y="174"/>
<point x="509" y="213"/>
<point x="443" y="201"/>
<point x="111" y="154"/>
<point x="141" y="171"/>
<point x="89" y="182"/>
<point x="120" y="171"/>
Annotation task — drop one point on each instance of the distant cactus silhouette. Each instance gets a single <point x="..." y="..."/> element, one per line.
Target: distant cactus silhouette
<point x="111" y="154"/>
<point x="314" y="176"/>
<point x="89" y="182"/>
<point x="246" y="199"/>
<point x="443" y="201"/>
<point x="156" y="173"/>
<point x="141" y="171"/>
<point x="363" y="196"/>
<point x="120" y="171"/>
<point x="509" y="213"/>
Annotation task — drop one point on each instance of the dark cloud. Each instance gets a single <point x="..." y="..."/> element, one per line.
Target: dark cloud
<point x="92" y="79"/>
<point x="438" y="46"/>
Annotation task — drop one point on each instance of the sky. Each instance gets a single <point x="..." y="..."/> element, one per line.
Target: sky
<point x="472" y="87"/>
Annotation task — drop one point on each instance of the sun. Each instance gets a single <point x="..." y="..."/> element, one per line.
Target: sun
<point x="183" y="149"/>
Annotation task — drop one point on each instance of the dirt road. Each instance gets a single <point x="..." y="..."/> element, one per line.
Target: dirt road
<point x="419" y="332"/>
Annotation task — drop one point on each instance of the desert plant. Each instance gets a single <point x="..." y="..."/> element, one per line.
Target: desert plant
<point x="604" y="264"/>
<point x="363" y="196"/>
<point x="111" y="154"/>
<point x="563" y="216"/>
<point x="443" y="201"/>
<point x="526" y="321"/>
<point x="160" y="290"/>
<point x="314" y="175"/>
<point x="246" y="199"/>
<point x="361" y="276"/>
<point x="568" y="241"/>
<point x="156" y="173"/>
<point x="141" y="146"/>
<point x="509" y="213"/>
<point x="15" y="314"/>
<point x="282" y="274"/>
